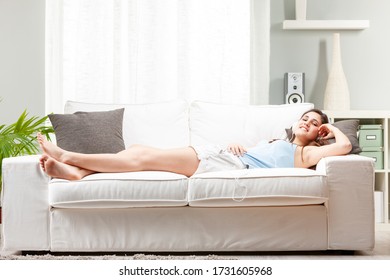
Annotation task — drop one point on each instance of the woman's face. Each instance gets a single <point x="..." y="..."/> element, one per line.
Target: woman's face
<point x="308" y="126"/>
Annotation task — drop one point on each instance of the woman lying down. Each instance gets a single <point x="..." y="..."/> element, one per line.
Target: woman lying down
<point x="304" y="150"/>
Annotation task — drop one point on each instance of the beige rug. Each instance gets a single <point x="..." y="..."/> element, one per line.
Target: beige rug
<point x="113" y="257"/>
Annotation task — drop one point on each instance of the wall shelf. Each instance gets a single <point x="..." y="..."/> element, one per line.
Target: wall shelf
<point x="326" y="24"/>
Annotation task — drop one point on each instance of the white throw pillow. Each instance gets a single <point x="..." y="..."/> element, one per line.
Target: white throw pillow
<point x="221" y="124"/>
<point x="162" y="125"/>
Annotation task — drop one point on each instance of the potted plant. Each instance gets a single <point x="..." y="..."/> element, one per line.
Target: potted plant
<point x="19" y="138"/>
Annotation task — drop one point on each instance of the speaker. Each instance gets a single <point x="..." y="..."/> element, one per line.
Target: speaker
<point x="294" y="87"/>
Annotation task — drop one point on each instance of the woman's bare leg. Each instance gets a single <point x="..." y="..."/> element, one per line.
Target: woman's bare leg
<point x="61" y="170"/>
<point x="136" y="158"/>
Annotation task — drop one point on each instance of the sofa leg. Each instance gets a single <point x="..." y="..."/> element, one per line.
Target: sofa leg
<point x="343" y="252"/>
<point x="10" y="253"/>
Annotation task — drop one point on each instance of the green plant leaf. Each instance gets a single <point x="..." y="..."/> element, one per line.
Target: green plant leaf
<point x="19" y="138"/>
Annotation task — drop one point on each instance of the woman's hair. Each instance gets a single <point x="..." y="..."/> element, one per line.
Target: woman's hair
<point x="324" y="119"/>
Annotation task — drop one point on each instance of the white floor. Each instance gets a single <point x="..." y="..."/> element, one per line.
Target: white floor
<point x="380" y="252"/>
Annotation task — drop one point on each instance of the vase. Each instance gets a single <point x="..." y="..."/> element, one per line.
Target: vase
<point x="336" y="95"/>
<point x="300" y="9"/>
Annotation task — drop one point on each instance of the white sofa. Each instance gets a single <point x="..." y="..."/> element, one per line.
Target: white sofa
<point x="330" y="208"/>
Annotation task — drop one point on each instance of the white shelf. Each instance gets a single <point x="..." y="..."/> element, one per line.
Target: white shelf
<point x="361" y="114"/>
<point x="326" y="24"/>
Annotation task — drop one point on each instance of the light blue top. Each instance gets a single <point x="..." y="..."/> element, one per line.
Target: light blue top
<point x="278" y="153"/>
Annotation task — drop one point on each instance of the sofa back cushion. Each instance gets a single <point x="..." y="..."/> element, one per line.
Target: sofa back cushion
<point x="162" y="125"/>
<point x="244" y="124"/>
<point x="177" y="124"/>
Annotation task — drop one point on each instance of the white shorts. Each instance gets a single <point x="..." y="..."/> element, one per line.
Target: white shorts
<point x="215" y="158"/>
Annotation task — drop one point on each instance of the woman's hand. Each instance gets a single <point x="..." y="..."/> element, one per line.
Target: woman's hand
<point x="236" y="149"/>
<point x="325" y="131"/>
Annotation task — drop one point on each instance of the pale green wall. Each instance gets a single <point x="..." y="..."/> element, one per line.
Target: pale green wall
<point x="365" y="54"/>
<point x="22" y="58"/>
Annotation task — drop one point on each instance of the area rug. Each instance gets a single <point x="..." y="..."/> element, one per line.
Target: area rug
<point x="114" y="257"/>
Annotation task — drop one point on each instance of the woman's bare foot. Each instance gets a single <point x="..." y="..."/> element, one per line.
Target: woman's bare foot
<point x="60" y="170"/>
<point x="42" y="161"/>
<point x="49" y="148"/>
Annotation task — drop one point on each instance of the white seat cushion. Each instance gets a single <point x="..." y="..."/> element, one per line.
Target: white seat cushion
<point x="258" y="187"/>
<point x="120" y="190"/>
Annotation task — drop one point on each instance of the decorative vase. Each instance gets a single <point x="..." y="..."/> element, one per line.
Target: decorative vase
<point x="300" y="9"/>
<point x="336" y="95"/>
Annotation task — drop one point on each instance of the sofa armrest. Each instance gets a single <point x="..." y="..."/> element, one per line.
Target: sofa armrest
<point x="25" y="206"/>
<point x="351" y="219"/>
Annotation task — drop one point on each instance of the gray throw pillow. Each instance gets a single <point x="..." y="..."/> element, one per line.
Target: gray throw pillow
<point x="89" y="132"/>
<point x="349" y="128"/>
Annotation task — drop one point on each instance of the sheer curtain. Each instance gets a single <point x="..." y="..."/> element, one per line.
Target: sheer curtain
<point x="141" y="51"/>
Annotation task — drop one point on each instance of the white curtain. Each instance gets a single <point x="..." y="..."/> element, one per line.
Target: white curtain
<point x="141" y="51"/>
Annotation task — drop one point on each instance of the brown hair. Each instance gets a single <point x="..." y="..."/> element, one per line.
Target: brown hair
<point x="319" y="141"/>
<point x="324" y="117"/>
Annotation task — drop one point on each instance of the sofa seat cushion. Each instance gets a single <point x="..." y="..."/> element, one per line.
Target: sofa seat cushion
<point x="258" y="187"/>
<point x="120" y="190"/>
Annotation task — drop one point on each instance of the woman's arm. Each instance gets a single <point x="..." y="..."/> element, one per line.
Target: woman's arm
<point x="311" y="155"/>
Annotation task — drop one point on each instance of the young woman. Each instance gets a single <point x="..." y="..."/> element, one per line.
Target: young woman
<point x="303" y="150"/>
